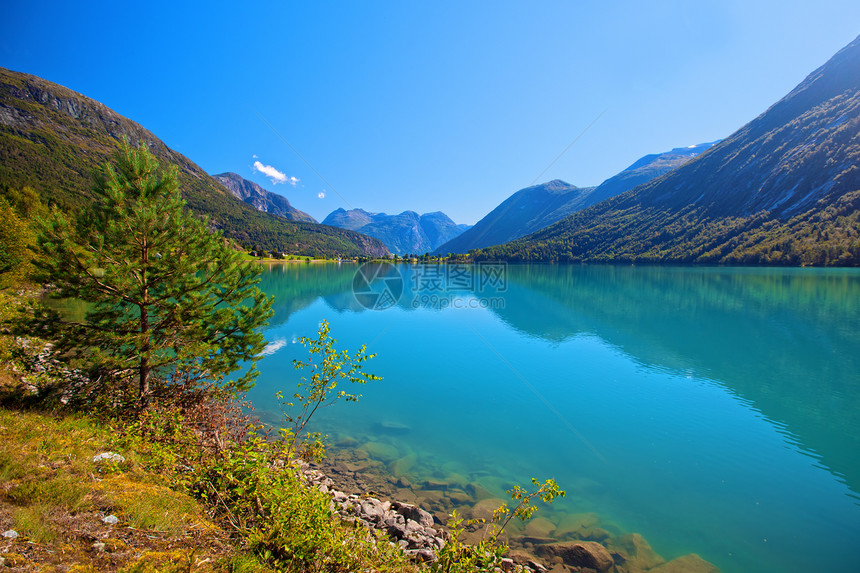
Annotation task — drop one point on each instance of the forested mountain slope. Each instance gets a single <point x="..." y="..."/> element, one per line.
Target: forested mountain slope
<point x="784" y="189"/>
<point x="53" y="139"/>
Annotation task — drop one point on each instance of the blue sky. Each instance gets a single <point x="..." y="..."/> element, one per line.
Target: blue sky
<point x="442" y="106"/>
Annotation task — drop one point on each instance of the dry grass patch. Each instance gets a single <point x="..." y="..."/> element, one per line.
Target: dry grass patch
<point x="55" y="496"/>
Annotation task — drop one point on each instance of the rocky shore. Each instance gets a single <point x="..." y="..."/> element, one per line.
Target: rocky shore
<point x="367" y="487"/>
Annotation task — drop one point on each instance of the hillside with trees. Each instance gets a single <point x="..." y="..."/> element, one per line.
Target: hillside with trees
<point x="52" y="139"/>
<point x="782" y="190"/>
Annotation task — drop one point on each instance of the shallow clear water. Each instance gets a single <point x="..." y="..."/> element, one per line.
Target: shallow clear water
<point x="712" y="410"/>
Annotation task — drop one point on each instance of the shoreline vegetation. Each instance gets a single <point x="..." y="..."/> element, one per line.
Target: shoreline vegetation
<point x="126" y="444"/>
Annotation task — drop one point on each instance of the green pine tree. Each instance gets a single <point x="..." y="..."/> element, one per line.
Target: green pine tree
<point x="167" y="296"/>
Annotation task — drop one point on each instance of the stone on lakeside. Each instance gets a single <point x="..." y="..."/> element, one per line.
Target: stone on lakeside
<point x="372" y="509"/>
<point x="414" y="513"/>
<point x="108" y="457"/>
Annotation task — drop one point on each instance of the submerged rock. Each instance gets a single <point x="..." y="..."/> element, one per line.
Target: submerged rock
<point x="539" y="527"/>
<point x="484" y="509"/>
<point x="632" y="553"/>
<point x="435" y="484"/>
<point x="588" y="554"/>
<point x="433" y="499"/>
<point x="460" y="497"/>
<point x="456" y="480"/>
<point x="401" y="467"/>
<point x="392" y="427"/>
<point x="575" y="524"/>
<point x="379" y="451"/>
<point x="527" y="559"/>
<point x="477" y="491"/>
<point x="346" y="442"/>
<point x="691" y="563"/>
<point x="576" y="544"/>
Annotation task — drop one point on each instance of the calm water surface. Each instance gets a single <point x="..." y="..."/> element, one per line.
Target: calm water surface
<point x="715" y="411"/>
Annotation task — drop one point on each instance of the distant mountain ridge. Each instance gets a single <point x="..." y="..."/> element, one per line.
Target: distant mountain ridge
<point x="262" y="199"/>
<point x="533" y="208"/>
<point x="407" y="232"/>
<point x="645" y="169"/>
<point x="525" y="211"/>
<point x="53" y="139"/>
<point x="784" y="189"/>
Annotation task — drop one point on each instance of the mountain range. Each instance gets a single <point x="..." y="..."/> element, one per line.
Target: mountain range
<point x="533" y="208"/>
<point x="782" y="190"/>
<point x="263" y="200"/>
<point x="53" y="139"/>
<point x="405" y="233"/>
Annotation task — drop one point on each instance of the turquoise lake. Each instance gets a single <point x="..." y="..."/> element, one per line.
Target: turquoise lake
<point x="713" y="410"/>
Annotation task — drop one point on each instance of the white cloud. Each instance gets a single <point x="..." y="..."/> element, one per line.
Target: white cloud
<point x="254" y="156"/>
<point x="321" y="194"/>
<point x="274" y="175"/>
<point x="273" y="347"/>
